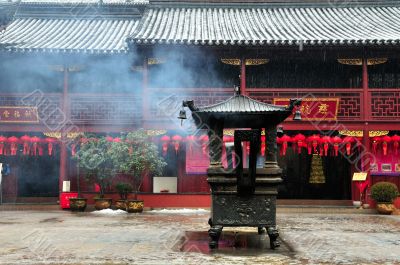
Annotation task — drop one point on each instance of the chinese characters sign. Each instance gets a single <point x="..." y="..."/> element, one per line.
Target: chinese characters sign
<point x="19" y="115"/>
<point x="314" y="109"/>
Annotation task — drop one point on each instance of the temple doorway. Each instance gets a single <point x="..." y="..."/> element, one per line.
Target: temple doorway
<point x="38" y="176"/>
<point x="315" y="177"/>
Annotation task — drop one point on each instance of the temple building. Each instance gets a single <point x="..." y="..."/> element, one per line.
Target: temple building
<point x="105" y="67"/>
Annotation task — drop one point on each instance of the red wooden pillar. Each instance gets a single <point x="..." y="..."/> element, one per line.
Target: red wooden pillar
<point x="366" y="96"/>
<point x="366" y="158"/>
<point x="63" y="139"/>
<point x="243" y="76"/>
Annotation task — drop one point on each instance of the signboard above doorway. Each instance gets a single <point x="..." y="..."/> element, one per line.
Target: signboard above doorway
<point x="17" y="114"/>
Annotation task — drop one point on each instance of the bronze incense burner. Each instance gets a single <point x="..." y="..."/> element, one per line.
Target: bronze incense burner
<point x="243" y="196"/>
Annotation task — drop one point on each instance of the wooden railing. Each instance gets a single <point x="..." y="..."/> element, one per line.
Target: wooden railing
<point x="129" y="109"/>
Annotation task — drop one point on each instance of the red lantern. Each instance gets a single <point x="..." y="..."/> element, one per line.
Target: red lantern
<point x="26" y="144"/>
<point x="165" y="142"/>
<point x="284" y="140"/>
<point x="348" y="140"/>
<point x="204" y="142"/>
<point x="395" y="140"/>
<point x="299" y="139"/>
<point x="50" y="145"/>
<point x="385" y="140"/>
<point x="2" y="145"/>
<point x="35" y="145"/>
<point x="336" y="141"/>
<point x="13" y="145"/>
<point x="325" y="144"/>
<point x="176" y="140"/>
<point x="375" y="141"/>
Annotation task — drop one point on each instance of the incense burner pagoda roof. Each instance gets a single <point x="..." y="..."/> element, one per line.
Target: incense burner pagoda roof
<point x="241" y="111"/>
<point x="269" y="25"/>
<point x="242" y="104"/>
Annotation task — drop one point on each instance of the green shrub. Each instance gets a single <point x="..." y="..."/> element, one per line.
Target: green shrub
<point x="123" y="189"/>
<point x="384" y="192"/>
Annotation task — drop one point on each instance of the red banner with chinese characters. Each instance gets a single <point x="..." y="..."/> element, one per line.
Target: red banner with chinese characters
<point x="18" y="114"/>
<point x="314" y="109"/>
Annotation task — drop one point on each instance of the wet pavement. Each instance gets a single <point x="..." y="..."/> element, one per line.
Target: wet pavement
<point x="62" y="237"/>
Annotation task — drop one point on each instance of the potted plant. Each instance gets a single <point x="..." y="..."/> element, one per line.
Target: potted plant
<point x="78" y="204"/>
<point x="384" y="193"/>
<point x="123" y="190"/>
<point x="95" y="159"/>
<point x="137" y="156"/>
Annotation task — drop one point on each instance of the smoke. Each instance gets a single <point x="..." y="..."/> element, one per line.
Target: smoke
<point x="24" y="73"/>
<point x="187" y="68"/>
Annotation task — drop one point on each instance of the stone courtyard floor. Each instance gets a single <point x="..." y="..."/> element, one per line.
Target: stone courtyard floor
<point x="180" y="237"/>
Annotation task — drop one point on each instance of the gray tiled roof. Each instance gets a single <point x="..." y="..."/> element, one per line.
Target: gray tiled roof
<point x="367" y="25"/>
<point x="241" y="104"/>
<point x="74" y="2"/>
<point x="67" y="35"/>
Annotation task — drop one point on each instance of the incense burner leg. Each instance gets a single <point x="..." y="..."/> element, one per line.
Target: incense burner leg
<point x="261" y="230"/>
<point x="273" y="234"/>
<point x="214" y="232"/>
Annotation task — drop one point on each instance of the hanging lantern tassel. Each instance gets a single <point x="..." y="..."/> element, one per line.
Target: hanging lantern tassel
<point x="375" y="142"/>
<point x="348" y="148"/>
<point x="50" y="145"/>
<point x="313" y="140"/>
<point x="25" y="143"/>
<point x="325" y="143"/>
<point x="40" y="149"/>
<point x="395" y="140"/>
<point x="165" y="142"/>
<point x="385" y="140"/>
<point x="309" y="148"/>
<point x="263" y="145"/>
<point x="336" y="141"/>
<point x="176" y="139"/>
<point x="190" y="140"/>
<point x="50" y="149"/>
<point x="35" y="145"/>
<point x="285" y="139"/>
<point x="2" y="145"/>
<point x="348" y="140"/>
<point x="73" y="149"/>
<point x="164" y="148"/>
<point x="299" y="138"/>
<point x="13" y="145"/>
